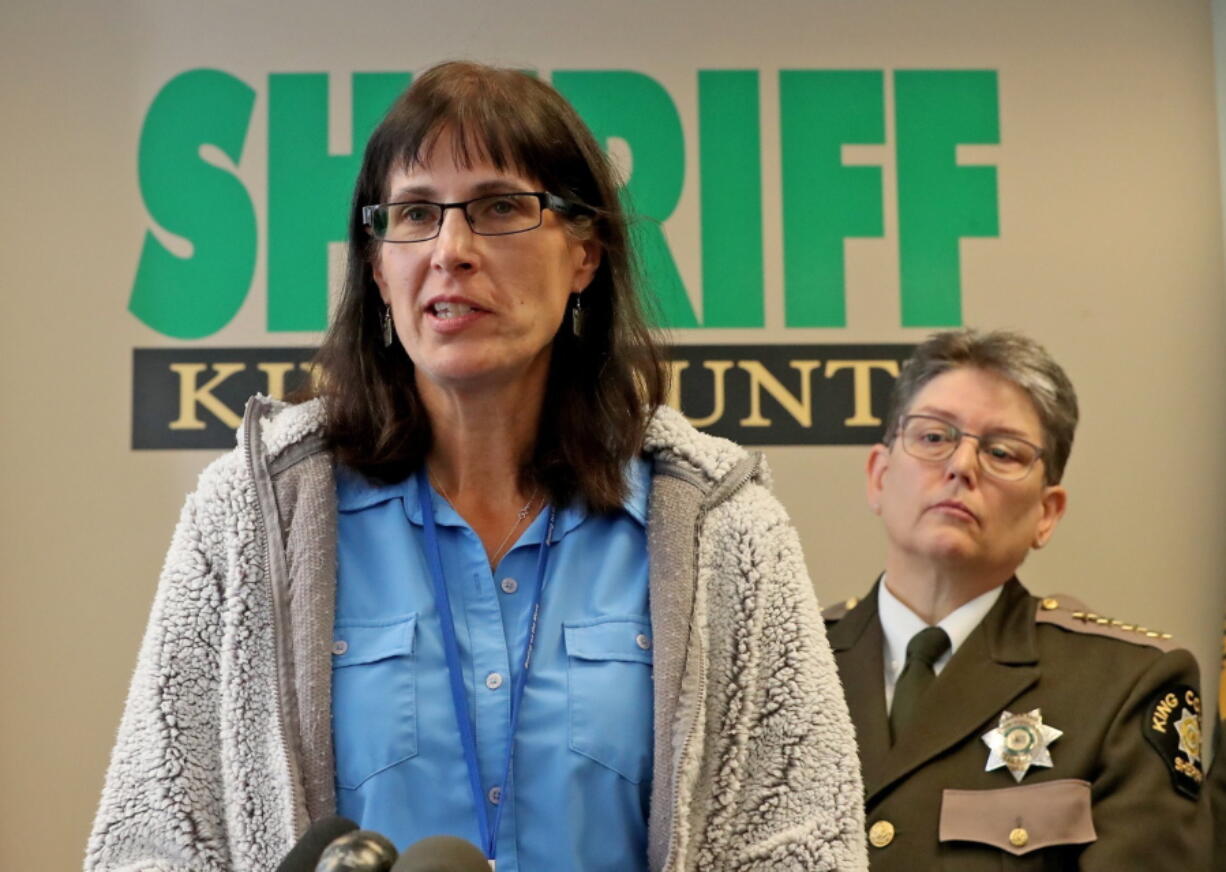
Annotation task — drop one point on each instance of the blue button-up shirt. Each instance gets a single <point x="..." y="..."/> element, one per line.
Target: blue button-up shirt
<point x="583" y="751"/>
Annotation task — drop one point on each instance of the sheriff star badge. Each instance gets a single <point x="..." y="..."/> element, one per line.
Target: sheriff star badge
<point x="1019" y="742"/>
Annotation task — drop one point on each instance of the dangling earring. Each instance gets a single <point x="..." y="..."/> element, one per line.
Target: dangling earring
<point x="576" y="317"/>
<point x="385" y="321"/>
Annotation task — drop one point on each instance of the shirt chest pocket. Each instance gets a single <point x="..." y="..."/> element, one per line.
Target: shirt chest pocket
<point x="374" y="697"/>
<point x="1027" y="827"/>
<point x="609" y="691"/>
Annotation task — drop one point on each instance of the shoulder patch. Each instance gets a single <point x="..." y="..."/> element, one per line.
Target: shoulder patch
<point x="1172" y="727"/>
<point x="838" y="611"/>
<point x="1071" y="614"/>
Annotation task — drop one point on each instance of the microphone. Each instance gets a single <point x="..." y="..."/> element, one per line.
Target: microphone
<point x="442" y="854"/>
<point x="303" y="856"/>
<point x="358" y="851"/>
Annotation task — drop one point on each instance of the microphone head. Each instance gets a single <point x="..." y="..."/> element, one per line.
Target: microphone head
<point x="303" y="856"/>
<point x="442" y="854"/>
<point x="358" y="851"/>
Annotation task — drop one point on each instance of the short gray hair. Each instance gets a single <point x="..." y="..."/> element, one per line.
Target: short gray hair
<point x="1014" y="357"/>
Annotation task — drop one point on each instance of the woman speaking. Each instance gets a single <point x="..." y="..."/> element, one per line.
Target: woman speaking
<point x="484" y="583"/>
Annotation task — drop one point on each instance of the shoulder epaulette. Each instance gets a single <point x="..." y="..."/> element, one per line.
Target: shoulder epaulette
<point x="837" y="611"/>
<point x="1071" y="614"/>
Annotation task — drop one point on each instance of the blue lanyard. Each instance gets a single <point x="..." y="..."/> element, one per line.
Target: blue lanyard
<point x="459" y="697"/>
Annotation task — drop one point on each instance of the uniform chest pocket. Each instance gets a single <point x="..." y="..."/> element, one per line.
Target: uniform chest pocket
<point x="609" y="693"/>
<point x="1027" y="825"/>
<point x="374" y="697"/>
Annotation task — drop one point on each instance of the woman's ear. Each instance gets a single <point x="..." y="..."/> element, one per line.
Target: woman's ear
<point x="1054" y="502"/>
<point x="588" y="253"/>
<point x="878" y="461"/>
<point x="376" y="272"/>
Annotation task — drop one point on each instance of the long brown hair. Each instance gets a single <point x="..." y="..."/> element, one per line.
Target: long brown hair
<point x="601" y="387"/>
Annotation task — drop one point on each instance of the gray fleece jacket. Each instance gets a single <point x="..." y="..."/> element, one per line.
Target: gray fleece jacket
<point x="224" y="754"/>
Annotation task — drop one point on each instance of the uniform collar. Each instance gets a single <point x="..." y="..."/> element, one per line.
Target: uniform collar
<point x="899" y="624"/>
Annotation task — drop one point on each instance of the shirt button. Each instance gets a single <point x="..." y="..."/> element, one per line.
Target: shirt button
<point x="493" y="681"/>
<point x="339" y="647"/>
<point x="495" y="795"/>
<point x="642" y="641"/>
<point x="509" y="585"/>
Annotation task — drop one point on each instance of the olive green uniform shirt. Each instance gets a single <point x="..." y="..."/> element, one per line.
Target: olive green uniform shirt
<point x="1122" y="790"/>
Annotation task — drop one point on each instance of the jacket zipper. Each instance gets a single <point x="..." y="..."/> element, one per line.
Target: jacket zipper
<point x="297" y="801"/>
<point x="747" y="472"/>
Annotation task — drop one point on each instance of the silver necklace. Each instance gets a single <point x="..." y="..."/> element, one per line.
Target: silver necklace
<point x="524" y="511"/>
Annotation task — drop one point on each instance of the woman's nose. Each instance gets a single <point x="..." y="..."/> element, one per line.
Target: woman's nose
<point x="964" y="462"/>
<point x="453" y="247"/>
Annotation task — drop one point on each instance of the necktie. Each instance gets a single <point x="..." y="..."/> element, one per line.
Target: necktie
<point x="924" y="649"/>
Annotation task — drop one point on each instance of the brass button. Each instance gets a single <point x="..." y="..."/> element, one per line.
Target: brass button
<point x="851" y="602"/>
<point x="1018" y="838"/>
<point x="881" y="834"/>
<point x="1050" y="603"/>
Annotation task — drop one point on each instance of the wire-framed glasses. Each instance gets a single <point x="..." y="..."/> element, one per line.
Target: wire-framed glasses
<point x="491" y="215"/>
<point x="1001" y="456"/>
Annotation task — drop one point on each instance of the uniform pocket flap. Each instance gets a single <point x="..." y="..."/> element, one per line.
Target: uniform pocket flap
<point x="1020" y="819"/>
<point x="609" y="639"/>
<point x="355" y="642"/>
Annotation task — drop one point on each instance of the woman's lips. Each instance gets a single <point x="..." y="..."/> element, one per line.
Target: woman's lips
<point x="956" y="509"/>
<point x="446" y="310"/>
<point x="451" y="316"/>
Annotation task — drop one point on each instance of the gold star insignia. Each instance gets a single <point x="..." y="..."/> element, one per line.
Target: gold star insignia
<point x="1188" y="728"/>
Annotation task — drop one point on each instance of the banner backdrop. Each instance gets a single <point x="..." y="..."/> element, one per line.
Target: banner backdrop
<point x="818" y="186"/>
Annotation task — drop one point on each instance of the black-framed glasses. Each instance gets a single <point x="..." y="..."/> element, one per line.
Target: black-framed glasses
<point x="491" y="215"/>
<point x="1001" y="456"/>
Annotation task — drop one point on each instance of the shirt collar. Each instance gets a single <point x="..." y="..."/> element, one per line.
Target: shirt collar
<point x="959" y="623"/>
<point x="355" y="491"/>
<point x="638" y="481"/>
<point x="899" y="624"/>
